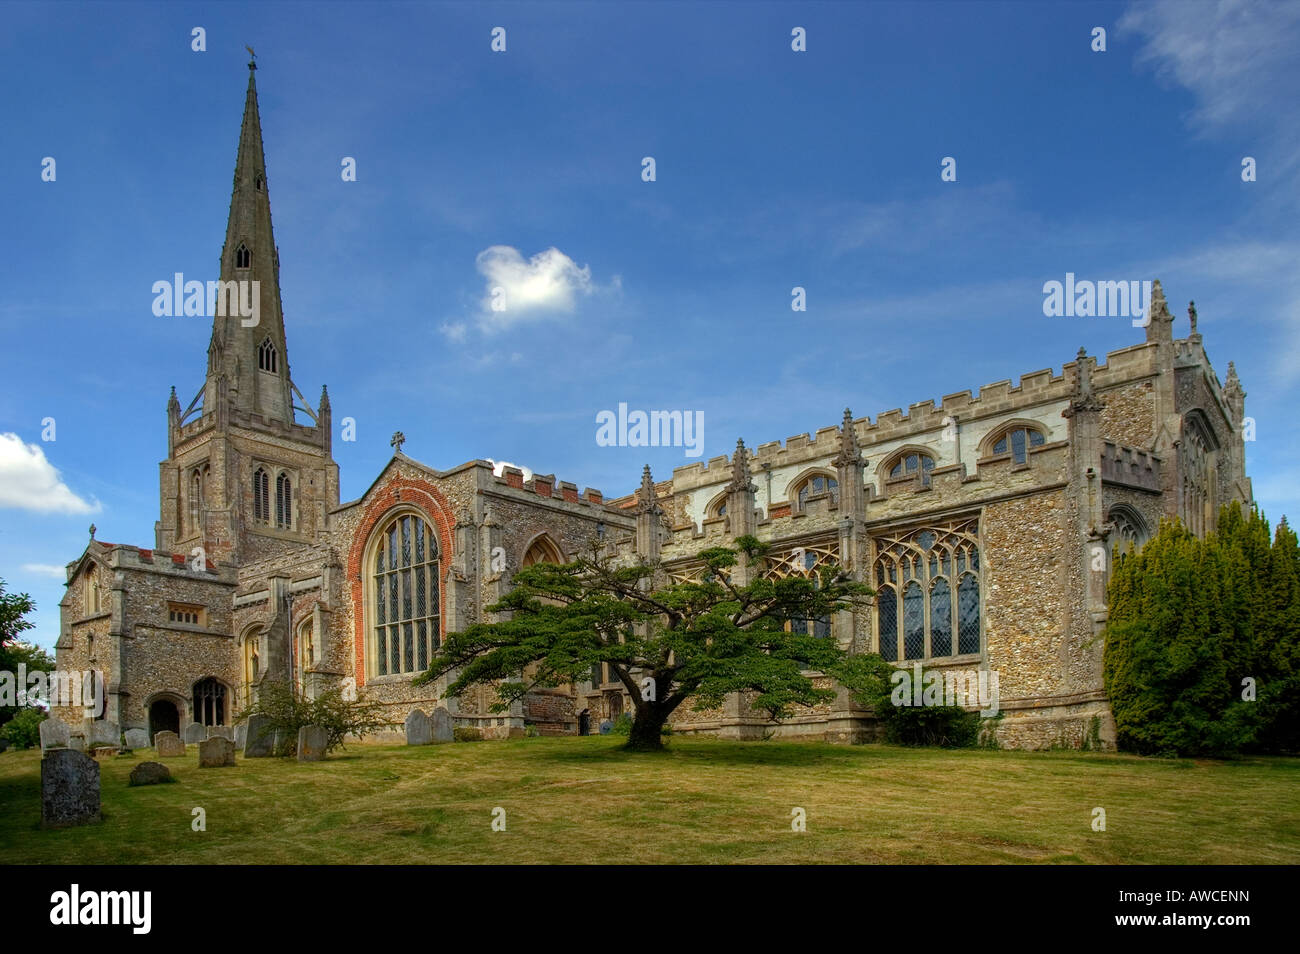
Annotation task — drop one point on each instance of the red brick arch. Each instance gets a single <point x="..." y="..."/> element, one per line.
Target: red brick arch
<point x="399" y="493"/>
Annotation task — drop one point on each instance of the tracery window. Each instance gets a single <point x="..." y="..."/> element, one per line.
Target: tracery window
<point x="1017" y="441"/>
<point x="928" y="592"/>
<point x="818" y="484"/>
<point x="908" y="463"/>
<point x="403" y="603"/>
<point x="241" y="256"/>
<point x="1128" y="529"/>
<point x="1196" y="466"/>
<point x="268" y="359"/>
<point x="209" y="702"/>
<point x="807" y="561"/>
<point x="542" y="550"/>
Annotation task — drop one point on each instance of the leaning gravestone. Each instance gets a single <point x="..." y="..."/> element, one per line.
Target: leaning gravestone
<point x="195" y="732"/>
<point x="137" y="738"/>
<point x="69" y="789"/>
<point x="311" y="743"/>
<point x="168" y="744"/>
<point x="55" y="734"/>
<point x="150" y="773"/>
<point x="103" y="732"/>
<point x="241" y="736"/>
<point x="216" y="753"/>
<point x="259" y="742"/>
<point x="419" y="728"/>
<point x="442" y="725"/>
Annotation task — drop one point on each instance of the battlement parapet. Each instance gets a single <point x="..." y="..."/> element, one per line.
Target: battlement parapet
<point x="1130" y="467"/>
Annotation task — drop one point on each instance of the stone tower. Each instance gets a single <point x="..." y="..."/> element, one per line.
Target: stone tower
<point x="243" y="479"/>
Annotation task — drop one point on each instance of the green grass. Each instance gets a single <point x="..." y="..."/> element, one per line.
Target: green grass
<point x="583" y="800"/>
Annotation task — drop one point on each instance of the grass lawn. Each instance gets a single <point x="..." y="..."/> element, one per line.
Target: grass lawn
<point x="583" y="800"/>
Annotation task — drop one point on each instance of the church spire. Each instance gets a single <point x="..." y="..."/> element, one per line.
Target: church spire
<point x="251" y="354"/>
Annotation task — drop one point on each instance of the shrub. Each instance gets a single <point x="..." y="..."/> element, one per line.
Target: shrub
<point x="1202" y="652"/>
<point x="467" y="735"/>
<point x="622" y="725"/>
<point x="288" y="711"/>
<point x="24" y="730"/>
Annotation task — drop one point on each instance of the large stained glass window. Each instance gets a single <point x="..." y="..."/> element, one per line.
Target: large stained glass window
<point x="928" y="592"/>
<point x="404" y="597"/>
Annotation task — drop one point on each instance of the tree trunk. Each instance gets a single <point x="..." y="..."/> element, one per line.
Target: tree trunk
<point x="647" y="728"/>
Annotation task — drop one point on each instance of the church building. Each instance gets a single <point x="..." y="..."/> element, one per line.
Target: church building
<point x="978" y="520"/>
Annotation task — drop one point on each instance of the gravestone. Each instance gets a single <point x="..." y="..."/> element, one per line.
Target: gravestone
<point x="168" y="744"/>
<point x="419" y="728"/>
<point x="311" y="743"/>
<point x="216" y="753"/>
<point x="137" y="738"/>
<point x="195" y="732"/>
<point x="69" y="789"/>
<point x="259" y="740"/>
<point x="442" y="727"/>
<point x="241" y="736"/>
<point x="221" y="732"/>
<point x="77" y="742"/>
<point x="150" y="773"/>
<point x="103" y="732"/>
<point x="55" y="734"/>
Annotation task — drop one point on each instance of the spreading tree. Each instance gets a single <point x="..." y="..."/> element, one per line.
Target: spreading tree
<point x="665" y="642"/>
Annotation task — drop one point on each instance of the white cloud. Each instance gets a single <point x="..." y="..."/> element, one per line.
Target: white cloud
<point x="30" y="482"/>
<point x="518" y="290"/>
<point x="45" y="569"/>
<point x="1236" y="58"/>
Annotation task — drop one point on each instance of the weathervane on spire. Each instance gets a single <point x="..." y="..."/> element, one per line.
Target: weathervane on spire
<point x="252" y="63"/>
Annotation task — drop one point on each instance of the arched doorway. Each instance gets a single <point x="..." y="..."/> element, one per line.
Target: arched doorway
<point x="163" y="717"/>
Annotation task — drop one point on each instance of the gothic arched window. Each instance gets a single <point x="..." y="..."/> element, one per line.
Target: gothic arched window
<point x="209" y="702"/>
<point x="403" y="606"/>
<point x="542" y="550"/>
<point x="283" y="502"/>
<point x="817" y="484"/>
<point x="257" y="182"/>
<point x="918" y="574"/>
<point x="261" y="496"/>
<point x="242" y="257"/>
<point x="268" y="359"/>
<point x="1017" y="440"/>
<point x="908" y="463"/>
<point x="1129" y="529"/>
<point x="306" y="651"/>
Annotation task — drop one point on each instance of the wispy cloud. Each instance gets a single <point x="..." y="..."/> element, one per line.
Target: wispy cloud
<point x="45" y="569"/>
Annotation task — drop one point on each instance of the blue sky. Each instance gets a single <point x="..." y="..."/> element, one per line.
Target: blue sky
<point x="774" y="169"/>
